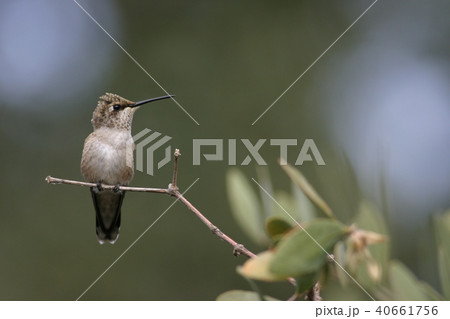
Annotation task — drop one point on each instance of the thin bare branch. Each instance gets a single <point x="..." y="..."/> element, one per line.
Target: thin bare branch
<point x="314" y="293"/>
<point x="54" y="180"/>
<point x="172" y="190"/>
<point x="175" y="169"/>
<point x="238" y="249"/>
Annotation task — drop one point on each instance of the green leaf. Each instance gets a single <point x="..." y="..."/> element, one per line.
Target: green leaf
<point x="242" y="295"/>
<point x="264" y="180"/>
<point x="287" y="203"/>
<point x="442" y="225"/>
<point x="404" y="284"/>
<point x="444" y="272"/>
<point x="339" y="257"/>
<point x="258" y="268"/>
<point x="339" y="184"/>
<point x="304" y="208"/>
<point x="431" y="294"/>
<point x="277" y="226"/>
<point x="245" y="206"/>
<point x="299" y="252"/>
<point x="306" y="282"/>
<point x="306" y="187"/>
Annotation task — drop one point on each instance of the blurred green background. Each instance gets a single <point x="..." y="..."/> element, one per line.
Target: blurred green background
<point x="379" y="97"/>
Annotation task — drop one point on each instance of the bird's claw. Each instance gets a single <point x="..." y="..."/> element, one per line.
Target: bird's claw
<point x="99" y="186"/>
<point x="116" y="188"/>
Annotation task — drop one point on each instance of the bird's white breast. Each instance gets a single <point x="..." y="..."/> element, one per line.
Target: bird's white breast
<point x="108" y="156"/>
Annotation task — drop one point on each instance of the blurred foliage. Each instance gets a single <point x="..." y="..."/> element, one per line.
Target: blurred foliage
<point x="323" y="250"/>
<point x="238" y="187"/>
<point x="243" y="295"/>
<point x="442" y="225"/>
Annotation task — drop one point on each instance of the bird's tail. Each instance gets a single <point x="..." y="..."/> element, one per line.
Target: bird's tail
<point x="107" y="205"/>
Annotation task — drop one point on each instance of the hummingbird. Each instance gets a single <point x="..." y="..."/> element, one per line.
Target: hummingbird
<point x="108" y="159"/>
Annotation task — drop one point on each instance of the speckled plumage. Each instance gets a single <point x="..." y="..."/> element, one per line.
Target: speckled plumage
<point x="105" y="116"/>
<point x="108" y="159"/>
<point x="108" y="151"/>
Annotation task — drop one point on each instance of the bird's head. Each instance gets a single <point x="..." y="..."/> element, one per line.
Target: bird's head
<point x="114" y="111"/>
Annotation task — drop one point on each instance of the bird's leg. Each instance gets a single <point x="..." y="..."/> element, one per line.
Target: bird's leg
<point x="99" y="186"/>
<point x="116" y="188"/>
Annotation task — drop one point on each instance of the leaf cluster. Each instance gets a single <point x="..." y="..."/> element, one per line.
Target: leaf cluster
<point x="305" y="241"/>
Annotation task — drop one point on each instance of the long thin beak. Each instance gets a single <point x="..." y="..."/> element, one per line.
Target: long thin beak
<point x="151" y="100"/>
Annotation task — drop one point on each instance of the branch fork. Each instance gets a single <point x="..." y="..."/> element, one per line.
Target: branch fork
<point x="172" y="190"/>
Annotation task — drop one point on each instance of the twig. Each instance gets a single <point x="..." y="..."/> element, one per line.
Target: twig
<point x="237" y="248"/>
<point x="175" y="169"/>
<point x="172" y="190"/>
<point x="314" y="293"/>
<point x="54" y="180"/>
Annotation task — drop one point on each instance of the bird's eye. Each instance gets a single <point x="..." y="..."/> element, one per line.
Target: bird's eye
<point x="116" y="107"/>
